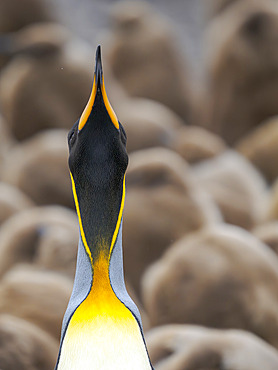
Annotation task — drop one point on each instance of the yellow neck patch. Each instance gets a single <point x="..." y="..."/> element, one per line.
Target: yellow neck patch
<point x="101" y="301"/>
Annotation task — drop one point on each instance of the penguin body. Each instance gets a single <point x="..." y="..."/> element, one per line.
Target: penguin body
<point x="102" y="326"/>
<point x="105" y="326"/>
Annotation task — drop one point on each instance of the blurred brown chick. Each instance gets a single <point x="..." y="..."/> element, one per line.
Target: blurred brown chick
<point x="215" y="7"/>
<point x="25" y="346"/>
<point x="44" y="237"/>
<point x="221" y="277"/>
<point x="260" y="147"/>
<point x="272" y="202"/>
<point x="39" y="297"/>
<point x="6" y="141"/>
<point x="195" y="144"/>
<point x="144" y="57"/>
<point x="148" y="123"/>
<point x="12" y="200"/>
<point x="242" y="70"/>
<point x="38" y="167"/>
<point x="236" y="186"/>
<point x="16" y="14"/>
<point x="186" y="347"/>
<point x="163" y="203"/>
<point x="46" y="60"/>
<point x="268" y="234"/>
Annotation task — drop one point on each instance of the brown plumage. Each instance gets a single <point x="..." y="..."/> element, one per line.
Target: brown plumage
<point x="144" y="57"/>
<point x="6" y="141"/>
<point x="45" y="237"/>
<point x="163" y="203"/>
<point x="210" y="278"/>
<point x="242" y="69"/>
<point x="16" y="14"/>
<point x="47" y="60"/>
<point x="196" y="144"/>
<point x="216" y="7"/>
<point x="236" y="186"/>
<point x="260" y="147"/>
<point x="24" y="346"/>
<point x="38" y="167"/>
<point x="268" y="234"/>
<point x="272" y="202"/>
<point x="147" y="123"/>
<point x="186" y="347"/>
<point x="39" y="297"/>
<point x="12" y="200"/>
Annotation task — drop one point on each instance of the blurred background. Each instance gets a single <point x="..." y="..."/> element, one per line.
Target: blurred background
<point x="195" y="84"/>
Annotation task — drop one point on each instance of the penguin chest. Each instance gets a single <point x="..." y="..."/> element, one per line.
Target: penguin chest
<point x="104" y="344"/>
<point x="103" y="334"/>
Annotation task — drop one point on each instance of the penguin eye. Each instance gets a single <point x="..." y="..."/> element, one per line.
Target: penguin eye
<point x="123" y="134"/>
<point x="71" y="137"/>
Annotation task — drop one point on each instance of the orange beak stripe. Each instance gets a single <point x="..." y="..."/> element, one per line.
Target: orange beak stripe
<point x="87" y="111"/>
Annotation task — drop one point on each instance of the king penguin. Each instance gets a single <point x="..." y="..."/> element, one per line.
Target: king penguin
<point x="102" y="328"/>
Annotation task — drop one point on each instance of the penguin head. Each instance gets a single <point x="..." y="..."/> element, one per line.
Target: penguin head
<point x="97" y="141"/>
<point x="98" y="160"/>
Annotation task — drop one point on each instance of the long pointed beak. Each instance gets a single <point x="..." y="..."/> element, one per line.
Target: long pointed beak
<point x="98" y="87"/>
<point x="98" y="69"/>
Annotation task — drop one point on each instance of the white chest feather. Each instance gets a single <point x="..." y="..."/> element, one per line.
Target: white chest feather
<point x="103" y="334"/>
<point x="104" y="346"/>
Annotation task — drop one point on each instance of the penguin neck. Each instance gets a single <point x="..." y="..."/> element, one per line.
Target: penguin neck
<point x="100" y="213"/>
<point x="101" y="290"/>
<point x="101" y="287"/>
<point x="99" y="240"/>
<point x="102" y="325"/>
<point x="102" y="300"/>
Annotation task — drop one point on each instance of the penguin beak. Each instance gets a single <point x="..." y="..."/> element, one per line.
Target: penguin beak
<point x="98" y="88"/>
